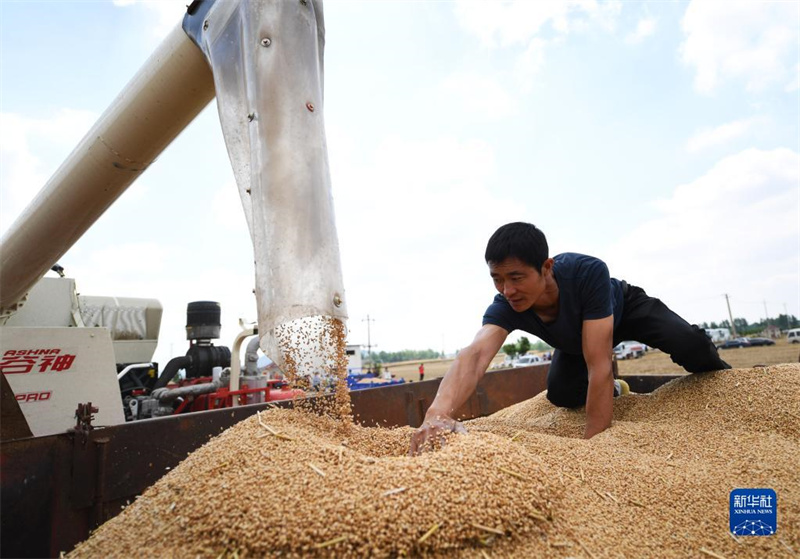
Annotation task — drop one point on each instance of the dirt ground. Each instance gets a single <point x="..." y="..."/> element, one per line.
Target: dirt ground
<point x="653" y="363"/>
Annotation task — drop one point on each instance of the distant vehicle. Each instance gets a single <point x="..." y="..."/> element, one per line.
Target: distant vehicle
<point x="527" y="361"/>
<point x="735" y="342"/>
<point x="718" y="334"/>
<point x="759" y="341"/>
<point x="629" y="350"/>
<point x="793" y="336"/>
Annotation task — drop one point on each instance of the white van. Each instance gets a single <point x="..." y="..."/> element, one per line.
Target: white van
<point x="629" y="350"/>
<point x="793" y="336"/>
<point x="527" y="361"/>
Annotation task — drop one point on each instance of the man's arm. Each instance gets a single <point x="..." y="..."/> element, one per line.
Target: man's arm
<point x="458" y="385"/>
<point x="597" y="339"/>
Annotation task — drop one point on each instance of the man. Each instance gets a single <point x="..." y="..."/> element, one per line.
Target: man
<point x="421" y="372"/>
<point x="572" y="303"/>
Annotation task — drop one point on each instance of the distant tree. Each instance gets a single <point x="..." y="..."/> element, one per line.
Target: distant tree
<point x="785" y="321"/>
<point x="714" y="325"/>
<point x="523" y="345"/>
<point x="405" y="355"/>
<point x="511" y="350"/>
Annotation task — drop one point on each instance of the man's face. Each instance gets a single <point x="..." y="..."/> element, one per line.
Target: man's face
<point x="518" y="282"/>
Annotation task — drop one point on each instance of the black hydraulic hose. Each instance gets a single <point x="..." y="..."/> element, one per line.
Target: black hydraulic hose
<point x="172" y="369"/>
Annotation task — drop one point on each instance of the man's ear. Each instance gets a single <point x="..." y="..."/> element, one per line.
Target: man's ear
<point x="547" y="266"/>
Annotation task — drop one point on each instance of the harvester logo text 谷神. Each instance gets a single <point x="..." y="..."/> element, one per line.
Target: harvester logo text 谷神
<point x="16" y="361"/>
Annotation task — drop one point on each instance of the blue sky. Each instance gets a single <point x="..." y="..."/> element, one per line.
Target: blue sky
<point x="662" y="137"/>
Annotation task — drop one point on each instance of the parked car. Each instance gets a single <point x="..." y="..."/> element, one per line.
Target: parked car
<point x="793" y="336"/>
<point x="735" y="342"/>
<point x="760" y="341"/>
<point x="629" y="350"/>
<point x="527" y="361"/>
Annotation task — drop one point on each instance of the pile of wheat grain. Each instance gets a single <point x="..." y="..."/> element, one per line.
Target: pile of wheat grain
<point x="521" y="483"/>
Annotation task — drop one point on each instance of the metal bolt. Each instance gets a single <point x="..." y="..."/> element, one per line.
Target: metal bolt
<point x="251" y="117"/>
<point x="205" y="25"/>
<point x="310" y="106"/>
<point x="337" y="300"/>
<point x="304" y="2"/>
<point x="266" y="41"/>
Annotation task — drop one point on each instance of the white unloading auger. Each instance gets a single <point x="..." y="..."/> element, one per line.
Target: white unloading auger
<point x="266" y="69"/>
<point x="267" y="59"/>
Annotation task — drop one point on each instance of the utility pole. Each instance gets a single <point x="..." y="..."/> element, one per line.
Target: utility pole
<point x="766" y="313"/>
<point x="369" y="340"/>
<point x="730" y="315"/>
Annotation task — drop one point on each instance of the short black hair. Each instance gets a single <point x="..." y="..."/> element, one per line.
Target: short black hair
<point x="518" y="240"/>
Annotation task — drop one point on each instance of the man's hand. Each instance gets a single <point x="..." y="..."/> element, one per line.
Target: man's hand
<point x="597" y="340"/>
<point x="432" y="432"/>
<point x="457" y="386"/>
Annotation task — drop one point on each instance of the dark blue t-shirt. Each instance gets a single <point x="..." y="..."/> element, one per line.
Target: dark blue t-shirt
<point x="585" y="292"/>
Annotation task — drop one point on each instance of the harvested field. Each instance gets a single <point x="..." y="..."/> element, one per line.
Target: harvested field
<point x="521" y="483"/>
<point x="653" y="363"/>
<point x="434" y="368"/>
<point x="658" y="363"/>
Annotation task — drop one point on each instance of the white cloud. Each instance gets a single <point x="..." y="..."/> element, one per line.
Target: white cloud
<point x="529" y="63"/>
<point x="712" y="137"/>
<point x="794" y="82"/>
<point x="112" y="265"/>
<point x="532" y="25"/>
<point x="733" y="230"/>
<point x="413" y="220"/>
<point x="480" y="97"/>
<point x="168" y="13"/>
<point x="517" y="22"/>
<point x="228" y="212"/>
<point x="645" y="28"/>
<point x="755" y="42"/>
<point x="26" y="147"/>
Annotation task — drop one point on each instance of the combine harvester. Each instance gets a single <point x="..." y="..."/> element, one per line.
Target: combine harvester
<point x="69" y="361"/>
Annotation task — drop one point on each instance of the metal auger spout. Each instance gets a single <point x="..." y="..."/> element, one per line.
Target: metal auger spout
<point x="267" y="61"/>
